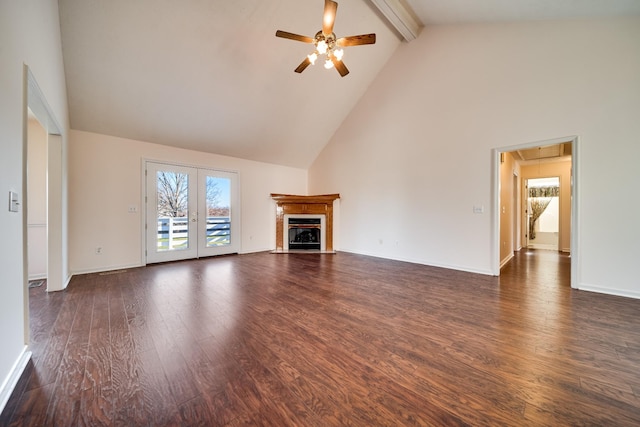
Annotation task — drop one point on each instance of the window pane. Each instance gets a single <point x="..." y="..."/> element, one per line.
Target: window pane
<point x="218" y="211"/>
<point x="172" y="211"/>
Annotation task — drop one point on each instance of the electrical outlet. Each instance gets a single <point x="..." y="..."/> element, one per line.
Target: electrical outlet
<point x="98" y="250"/>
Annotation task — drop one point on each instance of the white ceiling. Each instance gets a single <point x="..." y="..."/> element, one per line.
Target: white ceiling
<point x="466" y="11"/>
<point x="210" y="75"/>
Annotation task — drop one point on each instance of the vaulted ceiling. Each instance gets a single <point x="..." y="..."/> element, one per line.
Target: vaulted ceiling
<point x="210" y="75"/>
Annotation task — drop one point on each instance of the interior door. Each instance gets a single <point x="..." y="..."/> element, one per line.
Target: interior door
<point x="191" y="212"/>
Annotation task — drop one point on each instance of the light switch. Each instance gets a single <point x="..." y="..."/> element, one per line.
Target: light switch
<point x="477" y="209"/>
<point x="14" y="202"/>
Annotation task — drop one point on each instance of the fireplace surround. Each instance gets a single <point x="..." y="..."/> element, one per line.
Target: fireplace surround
<point x="306" y="210"/>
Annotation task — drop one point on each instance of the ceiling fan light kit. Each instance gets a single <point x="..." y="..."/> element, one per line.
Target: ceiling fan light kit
<point x="326" y="44"/>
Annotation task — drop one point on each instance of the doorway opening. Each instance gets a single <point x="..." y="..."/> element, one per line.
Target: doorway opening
<point x="543" y="213"/>
<point x="56" y="257"/>
<point x="36" y="202"/>
<point x="44" y="202"/>
<point x="514" y="167"/>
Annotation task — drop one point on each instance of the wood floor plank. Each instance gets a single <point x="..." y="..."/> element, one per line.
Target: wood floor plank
<point x="280" y="398"/>
<point x="14" y="401"/>
<point x="197" y="412"/>
<point x="158" y="400"/>
<point x="64" y="407"/>
<point x="128" y="398"/>
<point x="48" y="355"/>
<point x="33" y="409"/>
<point x="96" y="405"/>
<point x="330" y="340"/>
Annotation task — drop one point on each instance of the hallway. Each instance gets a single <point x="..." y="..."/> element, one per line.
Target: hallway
<point x="549" y="270"/>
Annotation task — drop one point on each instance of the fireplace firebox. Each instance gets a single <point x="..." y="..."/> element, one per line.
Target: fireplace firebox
<point x="304" y="233"/>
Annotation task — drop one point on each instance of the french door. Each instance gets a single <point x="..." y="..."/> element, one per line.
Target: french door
<point x="190" y="212"/>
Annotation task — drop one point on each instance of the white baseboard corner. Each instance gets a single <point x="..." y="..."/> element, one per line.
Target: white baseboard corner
<point x="11" y="381"/>
<point x="506" y="260"/>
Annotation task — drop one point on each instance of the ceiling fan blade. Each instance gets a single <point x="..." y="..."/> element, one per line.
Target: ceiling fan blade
<point x="291" y="36"/>
<point x="304" y="64"/>
<point x="356" y="40"/>
<point x="329" y="18"/>
<point x="342" y="69"/>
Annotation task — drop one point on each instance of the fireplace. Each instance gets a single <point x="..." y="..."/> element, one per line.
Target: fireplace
<point x="304" y="232"/>
<point x="304" y="222"/>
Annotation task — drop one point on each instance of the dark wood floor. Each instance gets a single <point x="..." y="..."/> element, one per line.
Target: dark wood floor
<point x="330" y="340"/>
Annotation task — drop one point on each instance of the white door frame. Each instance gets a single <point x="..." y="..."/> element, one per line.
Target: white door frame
<point x="57" y="268"/>
<point x="56" y="183"/>
<point x="575" y="206"/>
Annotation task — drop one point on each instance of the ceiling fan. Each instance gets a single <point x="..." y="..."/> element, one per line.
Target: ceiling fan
<point x="326" y="43"/>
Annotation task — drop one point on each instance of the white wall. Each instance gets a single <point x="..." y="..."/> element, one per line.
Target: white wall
<point x="414" y="156"/>
<point x="29" y="34"/>
<point x="105" y="179"/>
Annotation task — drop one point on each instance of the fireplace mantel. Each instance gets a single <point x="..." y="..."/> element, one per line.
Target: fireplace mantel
<point x="287" y="204"/>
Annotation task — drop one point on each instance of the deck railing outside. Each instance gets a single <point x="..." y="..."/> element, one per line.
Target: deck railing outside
<point x="173" y="232"/>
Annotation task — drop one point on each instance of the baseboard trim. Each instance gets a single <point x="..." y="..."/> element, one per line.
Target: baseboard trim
<point x="506" y="260"/>
<point x="69" y="277"/>
<point x="14" y="376"/>
<point x="609" y="291"/>
<point x="104" y="269"/>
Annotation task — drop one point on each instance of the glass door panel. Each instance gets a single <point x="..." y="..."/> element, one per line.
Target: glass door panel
<point x="217" y="234"/>
<point x="171" y="212"/>
<point x="190" y="212"/>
